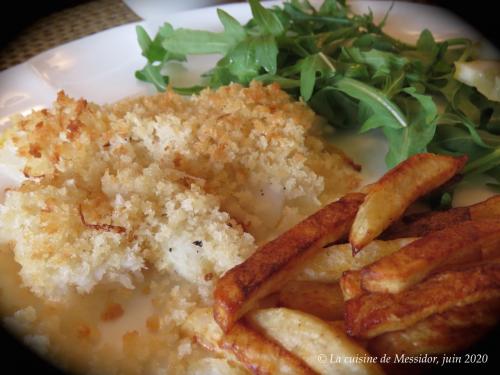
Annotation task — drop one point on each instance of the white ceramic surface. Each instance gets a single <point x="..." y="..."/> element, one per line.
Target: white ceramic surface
<point x="101" y="68"/>
<point x="148" y="9"/>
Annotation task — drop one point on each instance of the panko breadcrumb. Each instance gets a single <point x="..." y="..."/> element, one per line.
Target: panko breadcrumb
<point x="183" y="184"/>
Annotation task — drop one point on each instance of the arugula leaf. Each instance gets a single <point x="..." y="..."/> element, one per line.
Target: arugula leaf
<point x="492" y="124"/>
<point x="382" y="63"/>
<point x="198" y="42"/>
<point x="384" y="113"/>
<point x="246" y="59"/>
<point x="243" y="63"/>
<point x="152" y="49"/>
<point x="188" y="90"/>
<point x="143" y="39"/>
<point x="266" y="19"/>
<point x="338" y="108"/>
<point x="309" y="67"/>
<point x="310" y="19"/>
<point x="303" y="5"/>
<point x="455" y="140"/>
<point x="413" y="139"/>
<point x="473" y="134"/>
<point x="337" y="7"/>
<point x="427" y="43"/>
<point x="495" y="173"/>
<point x="220" y="76"/>
<point x="406" y="142"/>
<point x="231" y="25"/>
<point x="445" y="201"/>
<point x="285" y="83"/>
<point x="491" y="139"/>
<point x="266" y="53"/>
<point x="428" y="107"/>
<point x="394" y="84"/>
<point x="152" y="73"/>
<point x="484" y="163"/>
<point x="462" y="103"/>
<point x="376" y="42"/>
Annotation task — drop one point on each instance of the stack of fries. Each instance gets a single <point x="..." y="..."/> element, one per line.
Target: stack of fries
<point x="426" y="283"/>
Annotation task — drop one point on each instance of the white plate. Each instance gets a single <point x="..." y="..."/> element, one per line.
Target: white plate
<point x="101" y="68"/>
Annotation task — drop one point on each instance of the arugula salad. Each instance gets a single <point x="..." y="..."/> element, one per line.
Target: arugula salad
<point x="353" y="74"/>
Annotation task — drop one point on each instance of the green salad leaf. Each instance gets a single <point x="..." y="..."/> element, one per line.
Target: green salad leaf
<point x="231" y="25"/>
<point x="350" y="72"/>
<point x="152" y="73"/>
<point x="310" y="65"/>
<point x="267" y="20"/>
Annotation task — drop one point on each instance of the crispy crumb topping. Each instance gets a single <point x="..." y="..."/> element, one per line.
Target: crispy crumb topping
<point x="188" y="186"/>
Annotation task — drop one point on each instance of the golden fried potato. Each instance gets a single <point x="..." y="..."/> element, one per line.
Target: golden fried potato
<point x="320" y="299"/>
<point x="275" y="263"/>
<point x="350" y="284"/>
<point x="201" y="325"/>
<point x="452" y="331"/>
<point x="488" y="209"/>
<point x="324" y="347"/>
<point x="389" y="197"/>
<point x="327" y="266"/>
<point x="261" y="355"/>
<point x="470" y="241"/>
<point x="243" y="345"/>
<point x="421" y="224"/>
<point x="372" y="314"/>
<point x="218" y="366"/>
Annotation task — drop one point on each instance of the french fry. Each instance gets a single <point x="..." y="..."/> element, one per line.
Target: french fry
<point x="315" y="341"/>
<point x="419" y="225"/>
<point x="452" y="331"/>
<point x="470" y="241"/>
<point x="372" y="314"/>
<point x="389" y="197"/>
<point x="319" y="299"/>
<point x="350" y="284"/>
<point x="261" y="355"/>
<point x="218" y="366"/>
<point x="201" y="325"/>
<point x="243" y="345"/>
<point x="327" y="266"/>
<point x="488" y="209"/>
<point x="274" y="264"/>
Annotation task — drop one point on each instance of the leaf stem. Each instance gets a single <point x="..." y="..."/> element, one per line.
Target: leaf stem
<point x="327" y="61"/>
<point x="484" y="163"/>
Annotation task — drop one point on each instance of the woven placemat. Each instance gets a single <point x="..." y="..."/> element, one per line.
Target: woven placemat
<point x="65" y="26"/>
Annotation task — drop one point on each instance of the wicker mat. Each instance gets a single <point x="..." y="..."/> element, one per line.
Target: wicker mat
<point x="65" y="26"/>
